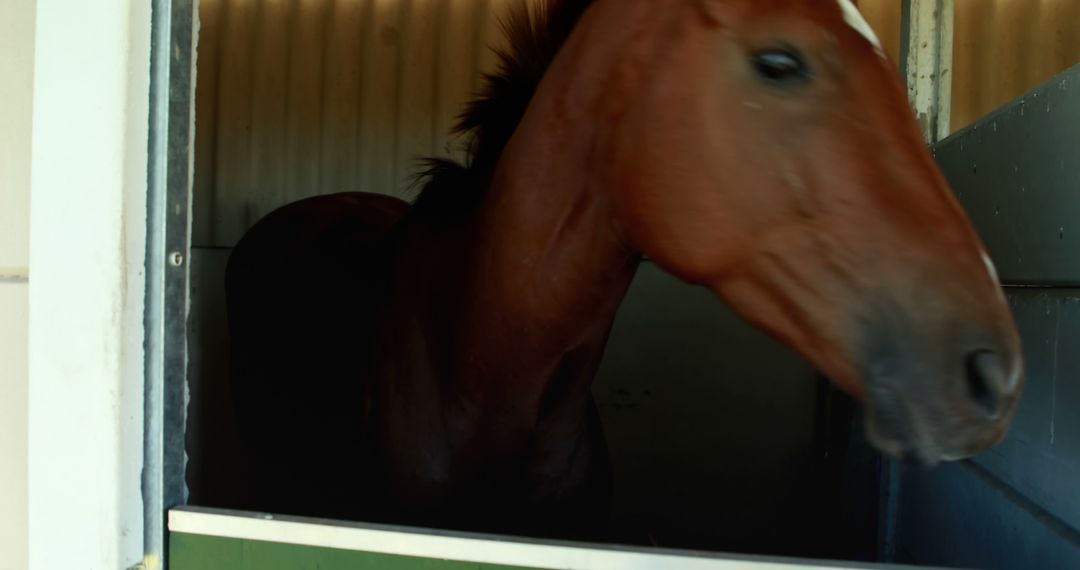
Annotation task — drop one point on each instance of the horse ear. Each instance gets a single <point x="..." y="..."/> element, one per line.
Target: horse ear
<point x="717" y="12"/>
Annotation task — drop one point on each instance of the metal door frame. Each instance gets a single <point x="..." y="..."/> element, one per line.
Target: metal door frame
<point x="174" y="34"/>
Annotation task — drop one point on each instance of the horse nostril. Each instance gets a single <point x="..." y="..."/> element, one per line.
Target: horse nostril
<point x="985" y="374"/>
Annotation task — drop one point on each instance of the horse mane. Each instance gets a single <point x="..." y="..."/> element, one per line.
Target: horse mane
<point x="535" y="31"/>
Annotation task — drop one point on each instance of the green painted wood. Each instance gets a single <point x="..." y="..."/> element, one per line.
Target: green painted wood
<point x="198" y="552"/>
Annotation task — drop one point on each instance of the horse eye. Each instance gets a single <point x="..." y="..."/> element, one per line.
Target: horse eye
<point x="780" y="67"/>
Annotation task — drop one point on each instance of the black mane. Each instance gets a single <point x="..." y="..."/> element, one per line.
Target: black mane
<point x="534" y="35"/>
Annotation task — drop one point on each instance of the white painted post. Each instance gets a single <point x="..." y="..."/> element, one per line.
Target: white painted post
<point x="927" y="60"/>
<point x="87" y="255"/>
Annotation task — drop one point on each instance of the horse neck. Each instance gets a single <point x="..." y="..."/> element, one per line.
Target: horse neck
<point x="552" y="264"/>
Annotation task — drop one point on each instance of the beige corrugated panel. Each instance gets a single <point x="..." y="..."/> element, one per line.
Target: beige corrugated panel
<point x="302" y="97"/>
<point x="1004" y="48"/>
<point x="884" y="17"/>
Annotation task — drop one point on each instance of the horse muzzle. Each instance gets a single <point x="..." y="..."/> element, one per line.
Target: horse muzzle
<point x="930" y="402"/>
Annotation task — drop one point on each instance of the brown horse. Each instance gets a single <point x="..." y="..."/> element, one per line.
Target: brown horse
<point x="431" y="364"/>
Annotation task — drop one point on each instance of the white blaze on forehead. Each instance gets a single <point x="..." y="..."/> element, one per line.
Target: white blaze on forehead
<point x="855" y="19"/>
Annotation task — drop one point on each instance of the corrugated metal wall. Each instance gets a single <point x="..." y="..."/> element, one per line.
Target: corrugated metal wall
<point x="884" y="16"/>
<point x="1003" y="48"/>
<point x="302" y="97"/>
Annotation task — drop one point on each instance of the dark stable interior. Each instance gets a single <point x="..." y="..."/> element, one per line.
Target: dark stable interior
<point x="721" y="439"/>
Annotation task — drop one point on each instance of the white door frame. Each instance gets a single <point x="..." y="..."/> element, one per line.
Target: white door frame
<point x="86" y="298"/>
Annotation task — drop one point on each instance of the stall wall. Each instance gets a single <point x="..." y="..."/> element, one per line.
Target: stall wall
<point x="1003" y="48"/>
<point x="1016" y="505"/>
<point x="16" y="92"/>
<point x="885" y="17"/>
<point x="304" y="97"/>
